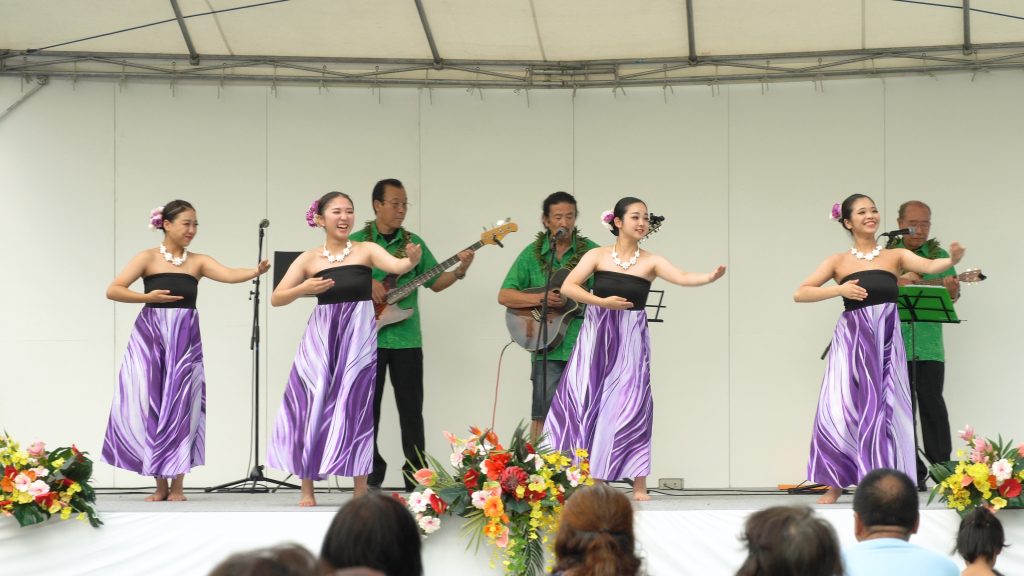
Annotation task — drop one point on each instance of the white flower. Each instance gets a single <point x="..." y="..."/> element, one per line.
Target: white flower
<point x="429" y="524"/>
<point x="456" y="459"/>
<point x="38" y="488"/>
<point x="417" y="502"/>
<point x="479" y="498"/>
<point x="1002" y="470"/>
<point x="573" y="476"/>
<point x="41" y="472"/>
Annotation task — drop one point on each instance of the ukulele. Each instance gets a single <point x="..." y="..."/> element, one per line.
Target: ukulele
<point x="524" y="324"/>
<point x="388" y="311"/>
<point x="969" y="276"/>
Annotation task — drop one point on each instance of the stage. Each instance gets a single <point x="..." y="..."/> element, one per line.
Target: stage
<point x="691" y="532"/>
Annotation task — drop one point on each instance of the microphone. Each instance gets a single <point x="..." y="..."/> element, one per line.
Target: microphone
<point x="900" y="232"/>
<point x="561" y="232"/>
<point x="264" y="223"/>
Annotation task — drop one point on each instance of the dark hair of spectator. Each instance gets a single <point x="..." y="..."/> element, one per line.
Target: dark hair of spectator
<point x="790" y="540"/>
<point x="374" y="531"/>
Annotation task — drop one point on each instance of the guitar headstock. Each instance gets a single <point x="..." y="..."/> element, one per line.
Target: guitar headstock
<point x="497" y="234"/>
<point x="971" y="275"/>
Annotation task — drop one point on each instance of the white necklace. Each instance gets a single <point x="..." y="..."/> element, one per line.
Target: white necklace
<point x="869" y="256"/>
<point x="340" y="258"/>
<point x="625" y="265"/>
<point x="171" y="258"/>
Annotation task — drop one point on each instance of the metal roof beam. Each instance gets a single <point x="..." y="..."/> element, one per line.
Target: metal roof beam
<point x="438" y="63"/>
<point x="690" y="39"/>
<point x="193" y="56"/>
<point x="967" y="27"/>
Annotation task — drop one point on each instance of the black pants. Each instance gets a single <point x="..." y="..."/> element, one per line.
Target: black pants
<point x="935" y="434"/>
<point x="406" y="367"/>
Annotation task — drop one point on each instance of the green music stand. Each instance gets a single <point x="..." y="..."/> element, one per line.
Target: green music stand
<point x="918" y="303"/>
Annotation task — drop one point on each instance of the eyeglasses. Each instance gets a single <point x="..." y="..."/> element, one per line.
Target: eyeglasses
<point x="396" y="204"/>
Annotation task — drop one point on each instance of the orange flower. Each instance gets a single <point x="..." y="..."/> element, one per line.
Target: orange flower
<point x="493" y="507"/>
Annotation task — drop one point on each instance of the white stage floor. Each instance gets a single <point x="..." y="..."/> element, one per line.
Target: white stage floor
<point x="680" y="533"/>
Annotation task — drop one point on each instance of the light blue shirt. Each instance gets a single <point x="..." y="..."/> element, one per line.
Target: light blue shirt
<point x="892" y="556"/>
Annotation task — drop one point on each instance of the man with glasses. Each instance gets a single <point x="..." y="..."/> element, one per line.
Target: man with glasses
<point x="400" y="345"/>
<point x="926" y="350"/>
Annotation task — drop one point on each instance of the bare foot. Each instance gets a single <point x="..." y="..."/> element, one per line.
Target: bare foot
<point x="177" y="493"/>
<point x="308" y="498"/>
<point x="640" y="489"/>
<point x="360" y="488"/>
<point x="831" y="495"/>
<point x="158" y="496"/>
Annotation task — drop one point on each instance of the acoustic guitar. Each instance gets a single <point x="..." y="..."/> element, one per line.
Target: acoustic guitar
<point x="388" y="311"/>
<point x="524" y="324"/>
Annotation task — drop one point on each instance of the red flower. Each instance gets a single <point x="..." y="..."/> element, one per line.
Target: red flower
<point x="471" y="478"/>
<point x="530" y="449"/>
<point x="10" y="472"/>
<point x="513" y="477"/>
<point x="992" y="483"/>
<point x="495" y="465"/>
<point x="5" y="503"/>
<point x="1010" y="489"/>
<point x="437" y="504"/>
<point x="66" y="482"/>
<point x="46" y="499"/>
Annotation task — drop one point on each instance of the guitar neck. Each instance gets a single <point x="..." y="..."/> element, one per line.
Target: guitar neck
<point x="405" y="289"/>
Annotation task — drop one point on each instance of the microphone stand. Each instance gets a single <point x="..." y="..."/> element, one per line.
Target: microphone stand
<point x="256" y="474"/>
<point x="544" y="314"/>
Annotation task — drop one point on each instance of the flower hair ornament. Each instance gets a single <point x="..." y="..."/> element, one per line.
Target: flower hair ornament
<point x="314" y="209"/>
<point x="156" y="218"/>
<point x="837" y="212"/>
<point x="606" y="220"/>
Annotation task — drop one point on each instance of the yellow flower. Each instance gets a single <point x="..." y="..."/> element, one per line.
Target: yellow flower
<point x="65" y="513"/>
<point x="581" y="453"/>
<point x="74" y="489"/>
<point x="998" y="503"/>
<point x="58" y="463"/>
<point x="520" y="491"/>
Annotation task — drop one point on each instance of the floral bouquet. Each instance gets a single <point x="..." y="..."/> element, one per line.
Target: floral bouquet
<point x="512" y="497"/>
<point x="37" y="484"/>
<point x="989" y="475"/>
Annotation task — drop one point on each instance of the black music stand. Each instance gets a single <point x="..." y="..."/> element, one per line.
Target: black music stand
<point x="657" y="307"/>
<point x="256" y="481"/>
<point x="919" y="303"/>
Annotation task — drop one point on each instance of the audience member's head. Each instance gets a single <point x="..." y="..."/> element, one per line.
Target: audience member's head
<point x="287" y="560"/>
<point x="373" y="531"/>
<point x="595" y="537"/>
<point x="885" y="506"/>
<point x="790" y="540"/>
<point x="980" y="537"/>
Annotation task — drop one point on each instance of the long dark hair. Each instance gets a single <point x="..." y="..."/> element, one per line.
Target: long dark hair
<point x="980" y="536"/>
<point x="846" y="209"/>
<point x="173" y="209"/>
<point x="595" y="537"/>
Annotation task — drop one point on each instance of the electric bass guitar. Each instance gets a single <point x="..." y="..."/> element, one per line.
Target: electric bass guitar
<point x="388" y="311"/>
<point x="524" y="324"/>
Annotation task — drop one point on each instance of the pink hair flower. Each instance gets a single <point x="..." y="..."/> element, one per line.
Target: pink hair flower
<point x="156" y="218"/>
<point x="314" y="209"/>
<point x="606" y="219"/>
<point x="837" y="212"/>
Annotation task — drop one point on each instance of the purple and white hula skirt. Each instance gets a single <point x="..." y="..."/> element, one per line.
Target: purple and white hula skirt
<point x="325" y="426"/>
<point x="157" y="423"/>
<point x="603" y="402"/>
<point x="864" y="418"/>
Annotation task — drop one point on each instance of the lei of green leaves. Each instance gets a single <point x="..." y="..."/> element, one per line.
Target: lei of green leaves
<point x="580" y="248"/>
<point x="406" y="238"/>
<point x="929" y="249"/>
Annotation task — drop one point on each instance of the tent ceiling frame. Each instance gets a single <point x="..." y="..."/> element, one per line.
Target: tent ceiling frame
<point x="520" y="74"/>
<point x="193" y="56"/>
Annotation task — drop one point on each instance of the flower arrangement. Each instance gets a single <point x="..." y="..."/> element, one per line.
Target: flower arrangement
<point x="989" y="474"/>
<point x="511" y="497"/>
<point x="312" y="212"/>
<point x="37" y="483"/>
<point x="156" y="218"/>
<point x="607" y="217"/>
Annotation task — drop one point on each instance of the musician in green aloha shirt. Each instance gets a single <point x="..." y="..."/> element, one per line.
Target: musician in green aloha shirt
<point x="927" y="350"/>
<point x="400" y="345"/>
<point x="530" y="271"/>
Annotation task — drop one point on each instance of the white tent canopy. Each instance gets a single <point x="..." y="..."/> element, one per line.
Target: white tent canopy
<point x="506" y="43"/>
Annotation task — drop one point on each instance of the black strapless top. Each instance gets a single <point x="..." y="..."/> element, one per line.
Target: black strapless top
<point x="184" y="285"/>
<point x="351" y="284"/>
<point x="880" y="284"/>
<point x="632" y="288"/>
